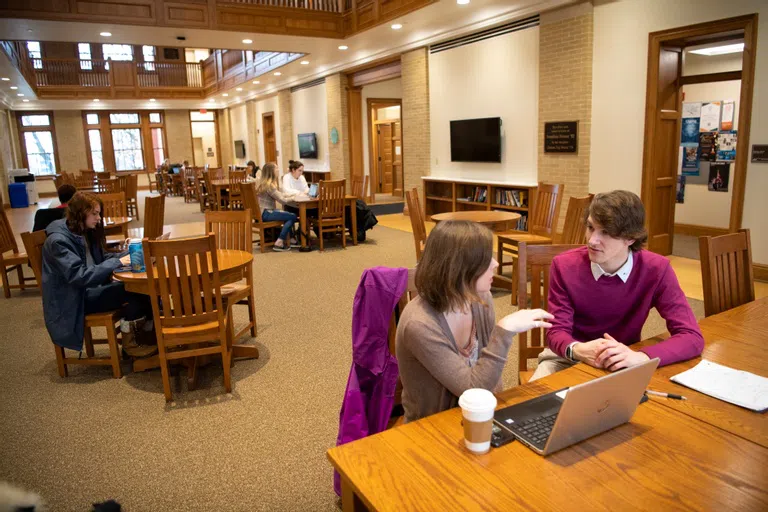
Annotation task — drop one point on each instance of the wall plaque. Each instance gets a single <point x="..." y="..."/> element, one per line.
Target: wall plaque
<point x="760" y="153"/>
<point x="561" y="137"/>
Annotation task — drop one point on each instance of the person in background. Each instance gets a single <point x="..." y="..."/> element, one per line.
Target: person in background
<point x="44" y="216"/>
<point x="294" y="179"/>
<point x="77" y="281"/>
<point x="601" y="295"/>
<point x="448" y="339"/>
<point x="252" y="169"/>
<point x="65" y="193"/>
<point x="269" y="194"/>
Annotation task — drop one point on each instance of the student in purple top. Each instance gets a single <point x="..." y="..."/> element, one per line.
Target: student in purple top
<point x="601" y="294"/>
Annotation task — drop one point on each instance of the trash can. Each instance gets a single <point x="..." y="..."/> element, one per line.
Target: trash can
<point x="17" y="194"/>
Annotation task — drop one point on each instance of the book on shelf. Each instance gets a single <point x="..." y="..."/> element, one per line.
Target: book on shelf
<point x="478" y="195"/>
<point x="518" y="198"/>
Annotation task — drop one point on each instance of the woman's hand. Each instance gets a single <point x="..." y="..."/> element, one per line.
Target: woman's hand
<point x="525" y="320"/>
<point x="126" y="260"/>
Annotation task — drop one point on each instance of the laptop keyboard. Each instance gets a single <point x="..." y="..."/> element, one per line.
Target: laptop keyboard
<point x="537" y="430"/>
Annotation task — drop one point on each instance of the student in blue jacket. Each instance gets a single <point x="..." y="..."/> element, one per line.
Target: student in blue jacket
<point x="77" y="280"/>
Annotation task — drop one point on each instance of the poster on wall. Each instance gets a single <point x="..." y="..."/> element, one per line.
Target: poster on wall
<point x="690" y="131"/>
<point x="710" y="116"/>
<point x="692" y="109"/>
<point x="726" y="145"/>
<point x="690" y="159"/>
<point x="726" y="123"/>
<point x="680" y="197"/>
<point x="707" y="150"/>
<point x="719" y="175"/>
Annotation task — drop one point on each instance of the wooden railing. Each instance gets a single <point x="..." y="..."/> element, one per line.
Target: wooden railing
<point x="311" y="5"/>
<point x="237" y="66"/>
<point x="169" y="74"/>
<point x="66" y="72"/>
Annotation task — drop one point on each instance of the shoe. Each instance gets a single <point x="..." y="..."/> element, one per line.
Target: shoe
<point x="132" y="348"/>
<point x="295" y="243"/>
<point x="280" y="248"/>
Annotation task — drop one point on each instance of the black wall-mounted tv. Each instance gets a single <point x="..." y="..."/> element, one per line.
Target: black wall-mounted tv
<point x="307" y="145"/>
<point x="476" y="140"/>
<point x="239" y="149"/>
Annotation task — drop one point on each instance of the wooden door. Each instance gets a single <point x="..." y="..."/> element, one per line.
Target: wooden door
<point x="270" y="139"/>
<point x="663" y="152"/>
<point x="386" y="158"/>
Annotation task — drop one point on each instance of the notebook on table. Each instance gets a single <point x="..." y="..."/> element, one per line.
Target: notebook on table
<point x="738" y="387"/>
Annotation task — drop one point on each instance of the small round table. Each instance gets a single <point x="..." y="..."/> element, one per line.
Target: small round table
<point x="496" y="221"/>
<point x="116" y="225"/>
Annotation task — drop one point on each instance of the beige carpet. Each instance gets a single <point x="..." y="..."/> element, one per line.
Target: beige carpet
<point x="89" y="437"/>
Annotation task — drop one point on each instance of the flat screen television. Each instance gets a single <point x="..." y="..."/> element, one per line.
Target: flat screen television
<point x="307" y="145"/>
<point x="239" y="149"/>
<point x="476" y="140"/>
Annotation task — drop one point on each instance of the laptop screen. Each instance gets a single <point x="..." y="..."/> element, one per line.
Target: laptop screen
<point x="313" y="190"/>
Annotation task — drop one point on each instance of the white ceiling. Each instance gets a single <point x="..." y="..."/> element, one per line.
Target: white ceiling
<point x="437" y="22"/>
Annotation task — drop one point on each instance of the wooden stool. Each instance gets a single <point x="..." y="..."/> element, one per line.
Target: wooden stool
<point x="108" y="321"/>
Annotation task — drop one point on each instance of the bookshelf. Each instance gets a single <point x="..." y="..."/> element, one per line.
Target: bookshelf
<point x="443" y="195"/>
<point x="316" y="176"/>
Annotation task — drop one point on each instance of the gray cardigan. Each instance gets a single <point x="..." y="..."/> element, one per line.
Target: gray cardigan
<point x="433" y="372"/>
<point x="268" y="200"/>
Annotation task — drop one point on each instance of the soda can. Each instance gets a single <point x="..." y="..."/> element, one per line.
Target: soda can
<point x="136" y="252"/>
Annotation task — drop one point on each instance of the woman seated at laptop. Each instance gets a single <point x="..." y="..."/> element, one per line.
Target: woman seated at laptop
<point x="77" y="281"/>
<point x="448" y="339"/>
<point x="269" y="195"/>
<point x="294" y="180"/>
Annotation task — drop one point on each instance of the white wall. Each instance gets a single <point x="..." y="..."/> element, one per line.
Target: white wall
<point x="262" y="107"/>
<point x="239" y="124"/>
<point x="388" y="89"/>
<point x="498" y="77"/>
<point x="207" y="131"/>
<point x="310" y="115"/>
<point x="618" y="94"/>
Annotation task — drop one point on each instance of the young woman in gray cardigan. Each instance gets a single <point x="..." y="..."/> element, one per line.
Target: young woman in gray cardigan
<point x="448" y="339"/>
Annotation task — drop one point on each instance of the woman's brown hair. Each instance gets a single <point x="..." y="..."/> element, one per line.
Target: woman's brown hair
<point x="78" y="208"/>
<point x="269" y="179"/>
<point x="621" y="214"/>
<point x="457" y="253"/>
<point x="294" y="164"/>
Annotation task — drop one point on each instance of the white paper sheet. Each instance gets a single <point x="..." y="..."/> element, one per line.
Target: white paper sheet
<point x="738" y="387"/>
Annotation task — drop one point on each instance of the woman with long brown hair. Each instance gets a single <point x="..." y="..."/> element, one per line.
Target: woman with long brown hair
<point x="77" y="280"/>
<point x="448" y="339"/>
<point x="269" y="194"/>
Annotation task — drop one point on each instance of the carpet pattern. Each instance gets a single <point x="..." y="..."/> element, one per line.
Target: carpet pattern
<point x="89" y="437"/>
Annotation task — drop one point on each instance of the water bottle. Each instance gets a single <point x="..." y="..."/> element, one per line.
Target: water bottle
<point x="136" y="252"/>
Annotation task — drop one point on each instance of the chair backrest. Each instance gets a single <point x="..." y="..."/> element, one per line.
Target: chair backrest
<point x="417" y="221"/>
<point x="154" y="216"/>
<point x="83" y="182"/>
<point x="114" y="205"/>
<point x="33" y="246"/>
<point x="7" y="239"/>
<point x="109" y="185"/>
<point x="574" y="231"/>
<point x="132" y="186"/>
<point x="216" y="173"/>
<point x="726" y="271"/>
<point x="536" y="260"/>
<point x="231" y="228"/>
<point x="359" y="186"/>
<point x="546" y="210"/>
<point x="250" y="201"/>
<point x="89" y="175"/>
<point x="331" y="194"/>
<point x="410" y="293"/>
<point x="186" y="278"/>
<point x="236" y="178"/>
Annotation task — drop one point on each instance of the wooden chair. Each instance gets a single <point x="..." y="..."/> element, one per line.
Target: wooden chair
<point x="235" y="197"/>
<point x="10" y="257"/>
<point x="410" y="293"/>
<point x="193" y="321"/>
<point x="417" y="221"/>
<point x="33" y="245"/>
<point x="132" y="194"/>
<point x="233" y="232"/>
<point x="574" y="231"/>
<point x="153" y="184"/>
<point x="89" y="175"/>
<point x="84" y="183"/>
<point x="210" y="197"/>
<point x="154" y="216"/>
<point x="535" y="259"/>
<point x="331" y="215"/>
<point x="107" y="186"/>
<point x="258" y="225"/>
<point x="359" y="186"/>
<point x="190" y="190"/>
<point x="115" y="205"/>
<point x="542" y="222"/>
<point x="726" y="271"/>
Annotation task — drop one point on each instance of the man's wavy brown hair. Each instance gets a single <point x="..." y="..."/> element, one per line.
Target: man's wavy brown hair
<point x="78" y="208"/>
<point x="621" y="214"/>
<point x="457" y="253"/>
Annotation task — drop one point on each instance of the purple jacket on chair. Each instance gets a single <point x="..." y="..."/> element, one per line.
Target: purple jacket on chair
<point x="372" y="379"/>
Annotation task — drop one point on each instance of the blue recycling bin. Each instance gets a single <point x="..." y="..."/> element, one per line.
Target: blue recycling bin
<point x="17" y="194"/>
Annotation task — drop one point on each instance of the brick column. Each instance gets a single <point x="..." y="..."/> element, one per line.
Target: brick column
<point x="338" y="117"/>
<point x="565" y="94"/>
<point x="252" y="151"/>
<point x="285" y="120"/>
<point x="415" y="118"/>
<point x="226" y="144"/>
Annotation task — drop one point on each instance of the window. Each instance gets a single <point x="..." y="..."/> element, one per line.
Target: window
<point x="35" y="53"/>
<point x="92" y="118"/>
<point x="38" y="143"/>
<point x="97" y="155"/>
<point x="127" y="145"/>
<point x="154" y="118"/>
<point x="149" y="56"/>
<point x="124" y="118"/>
<point x="116" y="52"/>
<point x="157" y="146"/>
<point x="199" y="116"/>
<point x="84" y="51"/>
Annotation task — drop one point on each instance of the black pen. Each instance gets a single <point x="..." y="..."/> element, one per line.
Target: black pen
<point x="666" y="395"/>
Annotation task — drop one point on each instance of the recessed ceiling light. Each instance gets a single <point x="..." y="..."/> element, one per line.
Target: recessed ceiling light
<point x="211" y="100"/>
<point x="247" y="41"/>
<point x="397" y="26"/>
<point x="96" y="100"/>
<point x="13" y="87"/>
<point x="225" y="94"/>
<point x="105" y="34"/>
<point x="343" y="47"/>
<point x="255" y="82"/>
<point x="720" y="50"/>
<point x="5" y="79"/>
<point x="239" y="89"/>
<point x="152" y="100"/>
<point x="305" y="62"/>
<point x="277" y="73"/>
<point x="462" y="2"/>
<point x="20" y="94"/>
<point x="25" y="100"/>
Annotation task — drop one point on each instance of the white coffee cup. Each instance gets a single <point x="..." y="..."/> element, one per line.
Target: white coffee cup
<point x="477" y="408"/>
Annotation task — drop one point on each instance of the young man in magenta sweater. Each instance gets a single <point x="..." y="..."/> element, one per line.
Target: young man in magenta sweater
<point x="600" y="295"/>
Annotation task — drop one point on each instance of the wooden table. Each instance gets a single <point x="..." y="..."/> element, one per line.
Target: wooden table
<point x="700" y="454"/>
<point x="217" y="186"/>
<point x="308" y="202"/>
<point x="116" y="225"/>
<point x="496" y="221"/>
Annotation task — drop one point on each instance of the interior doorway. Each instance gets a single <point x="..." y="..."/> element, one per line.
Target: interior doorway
<point x="205" y="138"/>
<point x="270" y="139"/>
<point x="385" y="143"/>
<point x="664" y="115"/>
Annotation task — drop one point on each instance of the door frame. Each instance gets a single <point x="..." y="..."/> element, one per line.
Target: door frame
<point x="215" y="133"/>
<point x="373" y="104"/>
<point x="689" y="36"/>
<point x="264" y="134"/>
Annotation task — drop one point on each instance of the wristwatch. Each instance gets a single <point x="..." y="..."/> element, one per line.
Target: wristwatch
<point x="569" y="353"/>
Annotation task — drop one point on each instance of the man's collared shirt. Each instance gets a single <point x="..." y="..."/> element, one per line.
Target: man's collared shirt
<point x="623" y="272"/>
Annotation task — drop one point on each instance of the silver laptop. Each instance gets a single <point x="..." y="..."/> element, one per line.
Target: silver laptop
<point x="313" y="190"/>
<point x="558" y="420"/>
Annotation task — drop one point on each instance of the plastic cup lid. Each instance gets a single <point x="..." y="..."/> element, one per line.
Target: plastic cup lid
<point x="135" y="241"/>
<point x="477" y="399"/>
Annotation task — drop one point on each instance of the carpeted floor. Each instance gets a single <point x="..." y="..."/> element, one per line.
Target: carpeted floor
<point x="89" y="437"/>
<point x="686" y="246"/>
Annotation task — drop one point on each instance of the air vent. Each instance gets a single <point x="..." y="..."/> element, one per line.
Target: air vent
<point x="308" y="84"/>
<point x="171" y="54"/>
<point x="533" y="21"/>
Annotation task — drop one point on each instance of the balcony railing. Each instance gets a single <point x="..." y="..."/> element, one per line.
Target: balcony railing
<point x="169" y="74"/>
<point x="70" y="72"/>
<point x="311" y="5"/>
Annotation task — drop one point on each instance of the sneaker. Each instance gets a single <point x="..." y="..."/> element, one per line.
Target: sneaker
<point x="133" y="349"/>
<point x="280" y="248"/>
<point x="295" y="243"/>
